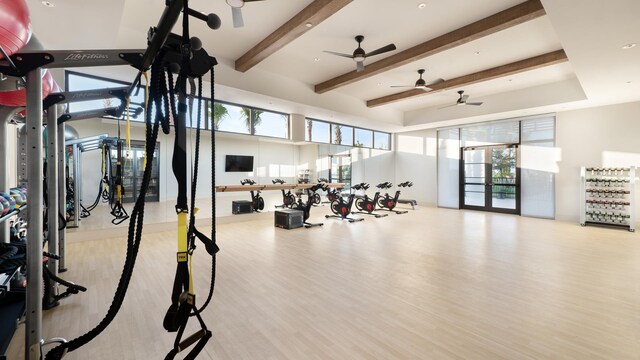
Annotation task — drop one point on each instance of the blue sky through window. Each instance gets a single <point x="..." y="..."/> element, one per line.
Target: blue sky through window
<point x="363" y="138"/>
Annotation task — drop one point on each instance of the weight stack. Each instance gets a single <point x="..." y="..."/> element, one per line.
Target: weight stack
<point x="241" y="207"/>
<point x="289" y="219"/>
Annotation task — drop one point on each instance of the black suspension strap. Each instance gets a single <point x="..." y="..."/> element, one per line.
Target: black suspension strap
<point x="103" y="186"/>
<point x="117" y="209"/>
<point x="183" y="298"/>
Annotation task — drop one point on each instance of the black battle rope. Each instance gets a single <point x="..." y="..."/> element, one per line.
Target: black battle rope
<point x="135" y="226"/>
<point x="213" y="204"/>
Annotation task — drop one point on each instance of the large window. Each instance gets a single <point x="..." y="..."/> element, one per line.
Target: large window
<point x="234" y="118"/>
<point x="80" y="82"/>
<point x="363" y="138"/>
<point x="268" y="123"/>
<point x="247" y="120"/>
<point x="341" y="134"/>
<point x="381" y="140"/>
<point x="231" y="118"/>
<point x="317" y="131"/>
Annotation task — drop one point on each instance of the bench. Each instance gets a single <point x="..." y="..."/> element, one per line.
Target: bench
<point x="413" y="203"/>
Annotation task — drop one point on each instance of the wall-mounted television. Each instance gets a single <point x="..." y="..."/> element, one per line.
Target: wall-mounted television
<point x="238" y="163"/>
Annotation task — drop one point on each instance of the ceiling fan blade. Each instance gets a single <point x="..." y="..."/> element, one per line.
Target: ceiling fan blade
<point x="473" y="103"/>
<point x="403" y="86"/>
<point x="339" y="54"/>
<point x="464" y="98"/>
<point x="383" y="49"/>
<point x="359" y="66"/>
<point x="251" y="0"/>
<point x="435" y="82"/>
<point x="236" y="14"/>
<point x="444" y="107"/>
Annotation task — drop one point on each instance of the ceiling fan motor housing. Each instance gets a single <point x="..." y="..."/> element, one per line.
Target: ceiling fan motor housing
<point x="359" y="54"/>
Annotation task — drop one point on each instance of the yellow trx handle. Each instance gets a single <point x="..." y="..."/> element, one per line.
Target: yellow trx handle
<point x="182" y="234"/>
<point x="119" y="193"/>
<point x="104" y="158"/>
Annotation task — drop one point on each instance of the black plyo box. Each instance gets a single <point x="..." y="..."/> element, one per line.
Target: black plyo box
<point x="241" y="207"/>
<point x="289" y="219"/>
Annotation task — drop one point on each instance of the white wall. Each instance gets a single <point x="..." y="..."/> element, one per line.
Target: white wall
<point x="416" y="161"/>
<point x="308" y="159"/>
<point x="605" y="136"/>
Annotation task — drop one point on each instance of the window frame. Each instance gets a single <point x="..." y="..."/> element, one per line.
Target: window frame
<point x="288" y="127"/>
<point x="322" y="121"/>
<point x="354" y="138"/>
<point x="388" y="140"/>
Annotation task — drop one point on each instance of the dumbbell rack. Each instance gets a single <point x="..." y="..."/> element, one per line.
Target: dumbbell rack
<point x="607" y="197"/>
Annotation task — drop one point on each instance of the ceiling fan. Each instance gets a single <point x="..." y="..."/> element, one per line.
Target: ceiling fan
<point x="359" y="55"/>
<point x="462" y="100"/>
<point x="421" y="84"/>
<point x="236" y="11"/>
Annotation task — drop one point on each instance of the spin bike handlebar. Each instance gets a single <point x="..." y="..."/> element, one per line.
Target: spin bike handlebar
<point x="323" y="180"/>
<point x="277" y="181"/>
<point x="316" y="187"/>
<point x="247" y="182"/>
<point x="384" y="185"/>
<point x="361" y="186"/>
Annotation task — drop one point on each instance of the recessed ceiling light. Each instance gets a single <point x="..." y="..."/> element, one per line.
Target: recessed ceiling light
<point x="629" y="46"/>
<point x="316" y="59"/>
<point x="422" y="6"/>
<point x="379" y="84"/>
<point x="476" y="53"/>
<point x="628" y="82"/>
<point x="510" y="80"/>
<point x="48" y="3"/>
<point x="308" y="24"/>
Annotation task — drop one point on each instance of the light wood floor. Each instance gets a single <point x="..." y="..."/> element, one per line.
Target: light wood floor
<point x="432" y="284"/>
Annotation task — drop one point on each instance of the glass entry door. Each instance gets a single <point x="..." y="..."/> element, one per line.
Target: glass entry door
<point x="490" y="178"/>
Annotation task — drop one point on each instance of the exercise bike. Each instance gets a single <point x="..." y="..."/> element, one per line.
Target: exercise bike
<point x="314" y="194"/>
<point x="306" y="207"/>
<point x="257" y="202"/>
<point x="388" y="202"/>
<point x="332" y="193"/>
<point x="366" y="205"/>
<point x="288" y="199"/>
<point x="342" y="208"/>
